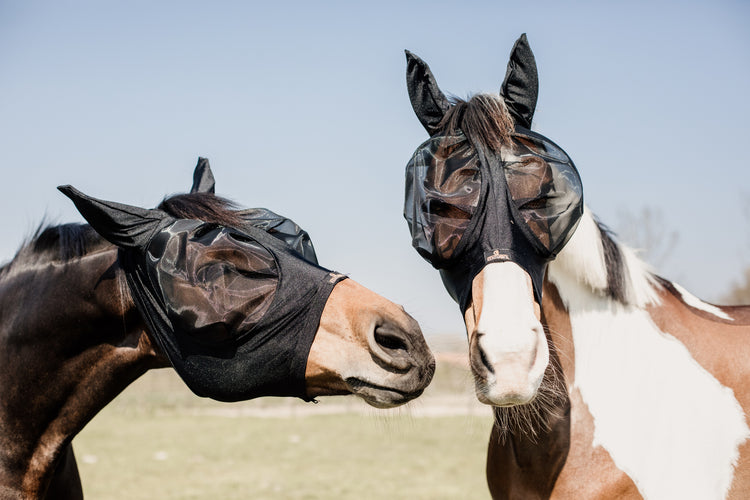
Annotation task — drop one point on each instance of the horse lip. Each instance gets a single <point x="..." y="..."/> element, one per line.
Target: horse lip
<point x="367" y="390"/>
<point x="357" y="384"/>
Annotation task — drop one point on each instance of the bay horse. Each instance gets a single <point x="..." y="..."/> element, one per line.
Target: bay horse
<point x="73" y="336"/>
<point x="606" y="380"/>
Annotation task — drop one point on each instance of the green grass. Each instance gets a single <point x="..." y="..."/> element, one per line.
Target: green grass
<point x="156" y="440"/>
<point x="314" y="457"/>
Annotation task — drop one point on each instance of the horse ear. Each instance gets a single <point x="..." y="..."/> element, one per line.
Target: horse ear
<point x="520" y="88"/>
<point x="428" y="101"/>
<point x="203" y="178"/>
<point x="124" y="225"/>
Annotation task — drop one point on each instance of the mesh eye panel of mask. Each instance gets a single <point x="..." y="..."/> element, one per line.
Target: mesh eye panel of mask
<point x="215" y="282"/>
<point x="443" y="187"/>
<point x="234" y="309"/>
<point x="545" y="188"/>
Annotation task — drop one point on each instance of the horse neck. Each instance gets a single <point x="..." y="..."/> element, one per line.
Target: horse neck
<point x="633" y="346"/>
<point x="71" y="341"/>
<point x="593" y="275"/>
<point x="593" y="266"/>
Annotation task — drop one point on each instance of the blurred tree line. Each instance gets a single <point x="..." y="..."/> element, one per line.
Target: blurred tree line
<point x="739" y="293"/>
<point x="645" y="230"/>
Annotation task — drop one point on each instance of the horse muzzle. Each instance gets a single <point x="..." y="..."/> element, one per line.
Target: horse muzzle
<point x="508" y="350"/>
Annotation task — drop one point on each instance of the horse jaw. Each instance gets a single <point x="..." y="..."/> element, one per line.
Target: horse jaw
<point x="368" y="346"/>
<point x="508" y="349"/>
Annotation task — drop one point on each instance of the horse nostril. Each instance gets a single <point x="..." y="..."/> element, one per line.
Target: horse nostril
<point x="388" y="340"/>
<point x="478" y="358"/>
<point x="485" y="361"/>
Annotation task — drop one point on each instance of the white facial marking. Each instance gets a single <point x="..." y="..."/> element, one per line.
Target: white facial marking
<point x="665" y="420"/>
<point x="510" y="336"/>
<point x="693" y="301"/>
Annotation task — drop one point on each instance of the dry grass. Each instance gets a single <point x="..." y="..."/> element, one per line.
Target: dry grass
<point x="157" y="440"/>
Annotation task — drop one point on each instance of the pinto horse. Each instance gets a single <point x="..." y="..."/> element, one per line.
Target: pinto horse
<point x="72" y="335"/>
<point x="606" y="380"/>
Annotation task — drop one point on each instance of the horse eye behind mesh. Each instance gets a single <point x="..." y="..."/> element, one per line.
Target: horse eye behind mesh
<point x="204" y="229"/>
<point x="535" y="204"/>
<point x="242" y="238"/>
<point x="445" y="210"/>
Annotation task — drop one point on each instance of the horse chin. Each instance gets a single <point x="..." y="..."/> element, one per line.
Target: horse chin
<point x="511" y="379"/>
<point x="380" y="396"/>
<point x="489" y="393"/>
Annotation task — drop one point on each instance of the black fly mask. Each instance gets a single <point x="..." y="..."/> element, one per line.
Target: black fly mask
<point x="468" y="205"/>
<point x="235" y="309"/>
<point x="276" y="225"/>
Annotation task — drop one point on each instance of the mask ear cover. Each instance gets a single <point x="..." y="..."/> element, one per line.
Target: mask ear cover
<point x="427" y="100"/>
<point x="520" y="87"/>
<point x="203" y="178"/>
<point x="122" y="225"/>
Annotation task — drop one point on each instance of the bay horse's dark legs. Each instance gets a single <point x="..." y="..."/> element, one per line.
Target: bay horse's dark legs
<point x="65" y="483"/>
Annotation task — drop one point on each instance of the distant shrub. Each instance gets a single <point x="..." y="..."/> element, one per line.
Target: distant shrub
<point x="739" y="293"/>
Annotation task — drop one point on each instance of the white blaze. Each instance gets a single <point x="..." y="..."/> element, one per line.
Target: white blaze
<point x="510" y="336"/>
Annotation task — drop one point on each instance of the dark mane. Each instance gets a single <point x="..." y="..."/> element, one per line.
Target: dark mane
<point x="614" y="263"/>
<point x="483" y="118"/>
<point x="65" y="242"/>
<point x="60" y="243"/>
<point x="68" y="241"/>
<point x="203" y="206"/>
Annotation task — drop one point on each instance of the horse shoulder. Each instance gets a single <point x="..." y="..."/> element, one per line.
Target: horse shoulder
<point x="589" y="471"/>
<point x="718" y="338"/>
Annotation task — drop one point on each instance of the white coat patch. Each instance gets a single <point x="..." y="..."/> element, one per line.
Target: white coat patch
<point x="697" y="303"/>
<point x="665" y="420"/>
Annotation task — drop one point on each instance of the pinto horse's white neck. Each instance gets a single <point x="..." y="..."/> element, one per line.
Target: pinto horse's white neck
<point x="584" y="261"/>
<point x="664" y="419"/>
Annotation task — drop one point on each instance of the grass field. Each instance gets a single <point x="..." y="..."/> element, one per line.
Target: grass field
<point x="157" y="440"/>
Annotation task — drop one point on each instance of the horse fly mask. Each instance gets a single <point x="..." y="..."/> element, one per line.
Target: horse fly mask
<point x="235" y="309"/>
<point x="468" y="205"/>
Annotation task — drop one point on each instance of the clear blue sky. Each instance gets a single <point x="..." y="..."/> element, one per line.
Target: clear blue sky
<point x="302" y="108"/>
